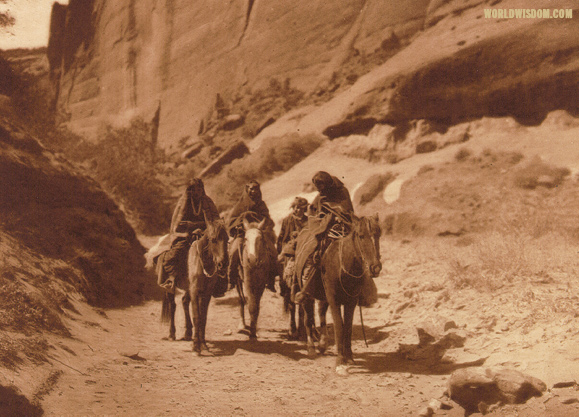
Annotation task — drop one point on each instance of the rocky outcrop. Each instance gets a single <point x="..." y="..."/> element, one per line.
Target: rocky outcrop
<point x="120" y="58"/>
<point x="477" y="389"/>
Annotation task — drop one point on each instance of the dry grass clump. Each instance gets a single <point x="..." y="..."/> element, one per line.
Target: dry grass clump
<point x="538" y="173"/>
<point x="496" y="259"/>
<point x="275" y="156"/>
<point x="462" y="154"/>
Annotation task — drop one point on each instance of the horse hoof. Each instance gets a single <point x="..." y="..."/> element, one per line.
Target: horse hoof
<point x="311" y="352"/>
<point x="204" y="347"/>
<point x="195" y="353"/>
<point x="322" y="349"/>
<point x="350" y="361"/>
<point x="342" y="370"/>
<point x="168" y="338"/>
<point x="186" y="338"/>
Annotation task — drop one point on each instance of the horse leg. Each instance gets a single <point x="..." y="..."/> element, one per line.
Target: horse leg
<point x="349" y="310"/>
<point x="293" y="329"/>
<point x="195" y="308"/>
<point x="308" y="308"/>
<point x="338" y="331"/>
<point x="253" y="308"/>
<point x="302" y="320"/>
<point x="322" y="310"/>
<point x="170" y="299"/>
<point x="186" y="300"/>
<point x="242" y="327"/>
<point x="205" y="300"/>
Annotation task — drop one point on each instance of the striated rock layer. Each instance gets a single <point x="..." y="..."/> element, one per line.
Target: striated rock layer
<point x="114" y="60"/>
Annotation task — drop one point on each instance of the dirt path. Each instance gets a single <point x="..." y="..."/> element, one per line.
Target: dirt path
<point x="273" y="375"/>
<point x="118" y="364"/>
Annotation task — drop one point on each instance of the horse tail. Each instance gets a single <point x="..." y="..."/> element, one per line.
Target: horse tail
<point x="166" y="309"/>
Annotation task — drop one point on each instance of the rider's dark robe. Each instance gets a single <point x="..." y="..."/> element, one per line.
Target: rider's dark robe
<point x="175" y="259"/>
<point x="246" y="204"/>
<point x="185" y="211"/>
<point x="335" y="198"/>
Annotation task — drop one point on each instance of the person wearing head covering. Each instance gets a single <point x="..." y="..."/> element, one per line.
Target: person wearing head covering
<point x="194" y="209"/>
<point x="331" y="207"/>
<point x="251" y="207"/>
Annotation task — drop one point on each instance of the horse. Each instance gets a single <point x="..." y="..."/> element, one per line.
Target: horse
<point x="345" y="264"/>
<point x="256" y="263"/>
<point x="206" y="261"/>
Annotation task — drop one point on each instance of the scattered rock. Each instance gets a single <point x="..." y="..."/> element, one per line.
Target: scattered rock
<point x="232" y="122"/>
<point x="474" y="386"/>
<point x="426" y="412"/>
<point x="569" y="400"/>
<point x="547" y="181"/>
<point x="354" y="126"/>
<point x="450" y="325"/>
<point x="426" y="146"/>
<point x="235" y="151"/>
<point x="564" y="384"/>
<point x="191" y="151"/>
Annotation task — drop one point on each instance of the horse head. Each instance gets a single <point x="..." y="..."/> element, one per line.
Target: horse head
<point x="254" y="245"/>
<point x="367" y="233"/>
<point x="216" y="237"/>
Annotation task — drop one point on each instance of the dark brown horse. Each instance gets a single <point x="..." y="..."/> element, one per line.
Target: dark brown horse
<point x="206" y="261"/>
<point x="344" y="266"/>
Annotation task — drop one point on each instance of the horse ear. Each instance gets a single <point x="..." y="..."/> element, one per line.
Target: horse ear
<point x="245" y="224"/>
<point x="376" y="217"/>
<point x="261" y="224"/>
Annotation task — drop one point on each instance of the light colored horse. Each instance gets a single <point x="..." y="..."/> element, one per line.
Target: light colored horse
<point x="256" y="264"/>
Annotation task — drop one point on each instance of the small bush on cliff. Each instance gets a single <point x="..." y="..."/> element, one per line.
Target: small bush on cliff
<point x="129" y="167"/>
<point x="538" y="173"/>
<point x="128" y="164"/>
<point x="274" y="156"/>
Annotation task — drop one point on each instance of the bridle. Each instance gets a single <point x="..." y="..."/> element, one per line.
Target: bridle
<point x="365" y="264"/>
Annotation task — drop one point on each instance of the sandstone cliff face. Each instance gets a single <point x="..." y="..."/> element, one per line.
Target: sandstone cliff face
<point x="124" y="58"/>
<point x="441" y="59"/>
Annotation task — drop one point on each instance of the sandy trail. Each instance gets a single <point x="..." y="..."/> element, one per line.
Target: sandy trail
<point x="272" y="375"/>
<point x="118" y="364"/>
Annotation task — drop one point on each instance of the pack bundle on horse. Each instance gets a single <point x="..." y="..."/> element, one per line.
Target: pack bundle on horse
<point x="345" y="266"/>
<point x="256" y="263"/>
<point x="206" y="261"/>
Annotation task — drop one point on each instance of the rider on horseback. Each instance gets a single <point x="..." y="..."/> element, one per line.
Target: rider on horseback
<point x="290" y="228"/>
<point x="330" y="213"/>
<point x="250" y="204"/>
<point x="194" y="209"/>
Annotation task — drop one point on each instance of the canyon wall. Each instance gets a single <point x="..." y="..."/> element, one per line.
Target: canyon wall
<point x="433" y="59"/>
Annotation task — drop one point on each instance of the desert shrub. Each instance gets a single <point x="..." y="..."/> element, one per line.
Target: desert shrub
<point x="23" y="312"/>
<point x="274" y="156"/>
<point x="496" y="259"/>
<point x="128" y="166"/>
<point x="462" y="154"/>
<point x="538" y="173"/>
<point x="372" y="187"/>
